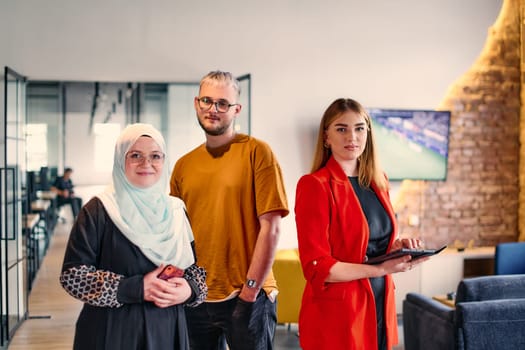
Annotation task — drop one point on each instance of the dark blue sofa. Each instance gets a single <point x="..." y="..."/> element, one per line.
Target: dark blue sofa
<point x="489" y="314"/>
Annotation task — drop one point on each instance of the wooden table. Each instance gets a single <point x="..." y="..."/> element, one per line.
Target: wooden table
<point x="444" y="300"/>
<point x="40" y="205"/>
<point x="46" y="195"/>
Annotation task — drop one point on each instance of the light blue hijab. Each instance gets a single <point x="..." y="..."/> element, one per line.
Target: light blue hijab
<point x="150" y="218"/>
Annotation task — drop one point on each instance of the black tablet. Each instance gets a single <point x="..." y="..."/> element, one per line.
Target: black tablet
<point x="415" y="253"/>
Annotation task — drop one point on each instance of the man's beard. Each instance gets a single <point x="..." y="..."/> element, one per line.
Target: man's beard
<point x="215" y="131"/>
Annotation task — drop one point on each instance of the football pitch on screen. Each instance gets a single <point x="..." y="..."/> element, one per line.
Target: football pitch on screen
<point x="404" y="159"/>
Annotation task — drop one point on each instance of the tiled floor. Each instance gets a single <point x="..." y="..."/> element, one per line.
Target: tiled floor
<point x="286" y="337"/>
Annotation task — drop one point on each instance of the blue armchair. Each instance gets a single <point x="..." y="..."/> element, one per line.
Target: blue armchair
<point x="489" y="314"/>
<point x="509" y="258"/>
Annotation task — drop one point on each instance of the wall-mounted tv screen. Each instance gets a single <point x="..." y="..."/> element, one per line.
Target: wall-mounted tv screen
<point x="412" y="144"/>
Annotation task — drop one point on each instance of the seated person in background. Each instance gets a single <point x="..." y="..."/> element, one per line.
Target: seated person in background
<point x="63" y="187"/>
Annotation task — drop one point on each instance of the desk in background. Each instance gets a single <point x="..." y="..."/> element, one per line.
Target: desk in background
<point x="33" y="235"/>
<point x="49" y="195"/>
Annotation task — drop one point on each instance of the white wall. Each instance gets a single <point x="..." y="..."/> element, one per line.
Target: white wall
<point x="302" y="54"/>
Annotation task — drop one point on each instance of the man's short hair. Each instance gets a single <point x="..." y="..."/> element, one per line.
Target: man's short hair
<point x="220" y="77"/>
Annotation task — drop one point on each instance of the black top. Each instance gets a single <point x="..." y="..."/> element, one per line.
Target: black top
<point x="136" y="324"/>
<point x="380" y="228"/>
<point x="63" y="184"/>
<point x="379" y="222"/>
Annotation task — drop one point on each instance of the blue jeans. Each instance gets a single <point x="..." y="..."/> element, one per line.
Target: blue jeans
<point x="243" y="325"/>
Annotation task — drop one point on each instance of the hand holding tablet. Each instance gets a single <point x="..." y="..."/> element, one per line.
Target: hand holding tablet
<point x="415" y="253"/>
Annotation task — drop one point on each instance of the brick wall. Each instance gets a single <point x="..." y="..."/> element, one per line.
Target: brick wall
<point x="479" y="201"/>
<point x="521" y="212"/>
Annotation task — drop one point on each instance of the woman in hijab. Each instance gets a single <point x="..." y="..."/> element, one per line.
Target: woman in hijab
<point x="119" y="245"/>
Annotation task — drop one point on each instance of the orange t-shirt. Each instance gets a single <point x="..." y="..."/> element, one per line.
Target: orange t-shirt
<point x="225" y="190"/>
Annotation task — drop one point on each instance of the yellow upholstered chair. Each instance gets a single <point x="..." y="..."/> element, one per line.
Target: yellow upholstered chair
<point x="290" y="281"/>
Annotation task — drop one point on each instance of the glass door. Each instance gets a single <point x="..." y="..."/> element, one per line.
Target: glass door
<point x="12" y="175"/>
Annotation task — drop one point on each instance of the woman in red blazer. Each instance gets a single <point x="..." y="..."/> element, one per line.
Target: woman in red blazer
<point x="344" y="215"/>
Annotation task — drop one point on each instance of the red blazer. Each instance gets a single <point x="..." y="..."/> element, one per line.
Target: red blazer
<point x="331" y="227"/>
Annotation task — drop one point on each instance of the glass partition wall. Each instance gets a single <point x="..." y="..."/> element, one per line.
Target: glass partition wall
<point x="45" y="126"/>
<point x="12" y="181"/>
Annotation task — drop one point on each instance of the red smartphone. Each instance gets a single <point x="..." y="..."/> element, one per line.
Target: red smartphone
<point x="170" y="271"/>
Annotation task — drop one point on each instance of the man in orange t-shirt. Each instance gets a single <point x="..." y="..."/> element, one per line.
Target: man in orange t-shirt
<point x="234" y="193"/>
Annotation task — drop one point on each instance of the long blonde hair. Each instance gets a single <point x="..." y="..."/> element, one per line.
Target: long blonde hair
<point x="368" y="164"/>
